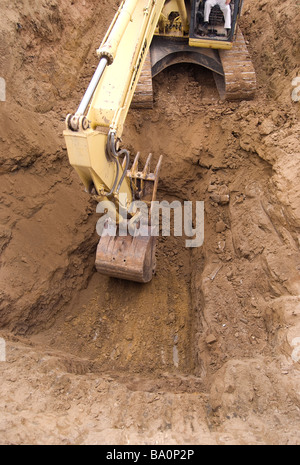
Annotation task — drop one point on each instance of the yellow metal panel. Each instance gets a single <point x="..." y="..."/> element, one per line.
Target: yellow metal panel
<point x="208" y="43"/>
<point x="169" y="7"/>
<point x="183" y="14"/>
<point x="86" y="151"/>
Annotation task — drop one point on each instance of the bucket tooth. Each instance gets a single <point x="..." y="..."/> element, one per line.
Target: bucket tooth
<point x="144" y="182"/>
<point x="147" y="166"/>
<point x="134" y="168"/>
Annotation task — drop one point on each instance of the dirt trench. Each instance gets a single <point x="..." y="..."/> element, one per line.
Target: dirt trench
<point x="207" y="352"/>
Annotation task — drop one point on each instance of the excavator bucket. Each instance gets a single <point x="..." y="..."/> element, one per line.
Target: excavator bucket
<point x="130" y="258"/>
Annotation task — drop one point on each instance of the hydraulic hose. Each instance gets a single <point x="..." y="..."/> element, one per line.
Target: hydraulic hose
<point x="114" y="155"/>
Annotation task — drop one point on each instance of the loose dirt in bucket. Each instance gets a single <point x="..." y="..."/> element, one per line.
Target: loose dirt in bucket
<point x="208" y="352"/>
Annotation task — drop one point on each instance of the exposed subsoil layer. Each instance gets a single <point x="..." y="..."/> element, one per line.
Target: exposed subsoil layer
<point x="208" y="352"/>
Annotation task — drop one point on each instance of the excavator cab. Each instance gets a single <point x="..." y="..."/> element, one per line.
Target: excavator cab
<point x="213" y="47"/>
<point x="211" y="27"/>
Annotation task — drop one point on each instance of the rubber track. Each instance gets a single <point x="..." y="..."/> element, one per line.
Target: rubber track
<point x="239" y="73"/>
<point x="143" y="95"/>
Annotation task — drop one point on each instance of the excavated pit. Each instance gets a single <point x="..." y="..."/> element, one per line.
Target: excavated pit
<point x="130" y="327"/>
<point x="206" y="353"/>
<point x="147" y="328"/>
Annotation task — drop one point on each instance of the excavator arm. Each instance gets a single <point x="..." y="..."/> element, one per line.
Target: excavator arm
<point x="175" y="32"/>
<point x="92" y="135"/>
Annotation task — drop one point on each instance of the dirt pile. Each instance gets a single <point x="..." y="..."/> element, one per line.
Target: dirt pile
<point x="207" y="352"/>
<point x="273" y="34"/>
<point x="44" y="45"/>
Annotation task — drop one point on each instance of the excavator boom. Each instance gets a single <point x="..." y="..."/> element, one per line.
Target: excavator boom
<point x="92" y="135"/>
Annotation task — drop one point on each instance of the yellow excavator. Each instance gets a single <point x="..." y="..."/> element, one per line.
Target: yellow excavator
<point x="145" y="37"/>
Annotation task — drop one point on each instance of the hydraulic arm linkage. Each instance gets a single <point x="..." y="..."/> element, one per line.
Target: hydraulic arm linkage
<point x="93" y="132"/>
